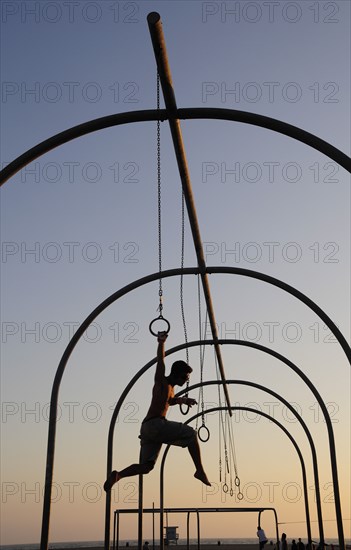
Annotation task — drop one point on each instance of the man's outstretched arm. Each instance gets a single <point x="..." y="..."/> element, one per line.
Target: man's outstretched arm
<point x="160" y="367"/>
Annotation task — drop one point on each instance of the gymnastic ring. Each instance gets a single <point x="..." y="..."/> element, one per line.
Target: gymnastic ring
<point x="231" y="492"/>
<point x="240" y="495"/>
<point x="225" y="488"/>
<point x="203" y="439"/>
<point x="181" y="410"/>
<point x="237" y="481"/>
<point x="159" y="318"/>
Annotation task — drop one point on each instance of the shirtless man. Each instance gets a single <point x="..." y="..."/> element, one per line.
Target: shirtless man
<point x="155" y="429"/>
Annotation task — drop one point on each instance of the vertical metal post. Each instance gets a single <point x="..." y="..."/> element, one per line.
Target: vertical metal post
<point x="187" y="532"/>
<point x="140" y="514"/>
<point x="198" y="529"/>
<point x="162" y="545"/>
<point x="276" y="527"/>
<point x="114" y="531"/>
<point x="117" y="530"/>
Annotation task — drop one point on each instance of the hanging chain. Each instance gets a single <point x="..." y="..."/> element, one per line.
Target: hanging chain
<point x="160" y="317"/>
<point x="202" y="352"/>
<point x="158" y="146"/>
<point x="220" y="420"/>
<point x="225" y="487"/>
<point x="181" y="283"/>
<point x="235" y="463"/>
<point x="201" y="390"/>
<point x="203" y="428"/>
<point x="226" y="458"/>
<point x="226" y="428"/>
<point x="181" y="290"/>
<point x="220" y="446"/>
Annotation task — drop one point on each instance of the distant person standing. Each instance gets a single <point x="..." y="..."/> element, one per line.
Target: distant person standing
<point x="146" y="545"/>
<point x="293" y="544"/>
<point x="300" y="545"/>
<point x="262" y="539"/>
<point x="284" y="542"/>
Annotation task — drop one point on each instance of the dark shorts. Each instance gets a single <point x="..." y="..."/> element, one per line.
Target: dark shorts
<point x="156" y="431"/>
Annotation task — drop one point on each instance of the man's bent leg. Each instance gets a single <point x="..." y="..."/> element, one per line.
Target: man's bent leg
<point x="183" y="435"/>
<point x="195" y="453"/>
<point x="132" y="470"/>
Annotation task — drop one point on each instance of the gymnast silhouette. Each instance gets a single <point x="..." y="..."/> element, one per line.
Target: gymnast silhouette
<point x="156" y="429"/>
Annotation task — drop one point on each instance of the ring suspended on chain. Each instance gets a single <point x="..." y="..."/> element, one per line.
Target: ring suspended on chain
<point x="225" y="488"/>
<point x="231" y="492"/>
<point x="187" y="409"/>
<point x="205" y="437"/>
<point x="159" y="318"/>
<point x="237" y="481"/>
<point x="240" y="495"/>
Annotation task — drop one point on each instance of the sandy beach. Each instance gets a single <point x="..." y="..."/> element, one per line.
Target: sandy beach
<point x="204" y="546"/>
<point x="192" y="547"/>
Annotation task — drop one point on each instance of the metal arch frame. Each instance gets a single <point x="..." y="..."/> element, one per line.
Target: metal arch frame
<point x="111" y="299"/>
<point x="172" y="114"/>
<point x="228" y="342"/>
<point x="152" y="115"/>
<point x="149" y="115"/>
<point x="302" y="423"/>
<point x="248" y="409"/>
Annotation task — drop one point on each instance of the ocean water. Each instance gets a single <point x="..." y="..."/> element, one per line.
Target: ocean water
<point x="134" y="543"/>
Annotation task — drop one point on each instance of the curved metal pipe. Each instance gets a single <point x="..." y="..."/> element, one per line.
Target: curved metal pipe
<point x="272" y="419"/>
<point x="300" y="420"/>
<point x="184" y="114"/>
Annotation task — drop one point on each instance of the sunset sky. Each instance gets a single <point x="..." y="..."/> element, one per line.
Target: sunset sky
<point x="80" y="223"/>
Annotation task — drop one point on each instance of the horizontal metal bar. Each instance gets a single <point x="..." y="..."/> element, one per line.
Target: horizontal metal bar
<point x="177" y="510"/>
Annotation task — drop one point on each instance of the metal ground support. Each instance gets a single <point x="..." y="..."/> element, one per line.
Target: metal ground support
<point x="188" y="529"/>
<point x="198" y="511"/>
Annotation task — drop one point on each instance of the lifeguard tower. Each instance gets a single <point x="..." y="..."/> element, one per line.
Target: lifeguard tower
<point x="171" y="534"/>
